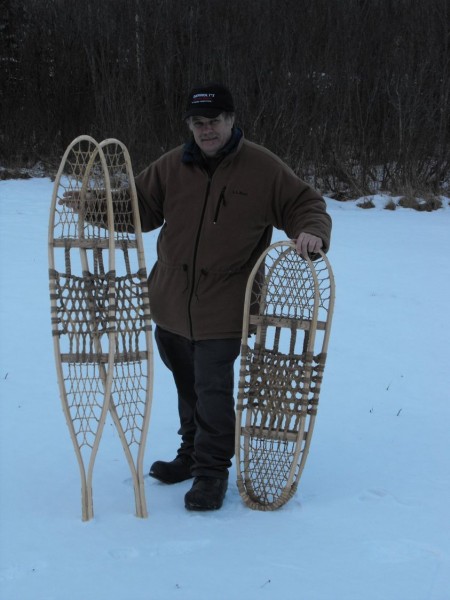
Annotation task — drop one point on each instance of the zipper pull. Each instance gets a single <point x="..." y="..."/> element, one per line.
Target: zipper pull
<point x="219" y="204"/>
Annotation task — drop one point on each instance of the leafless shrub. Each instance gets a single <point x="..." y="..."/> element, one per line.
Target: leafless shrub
<point x="353" y="95"/>
<point x="409" y="202"/>
<point x="390" y="205"/>
<point x="366" y="203"/>
<point x="430" y="204"/>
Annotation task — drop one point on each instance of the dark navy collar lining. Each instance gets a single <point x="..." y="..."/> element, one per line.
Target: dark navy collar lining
<point x="193" y="155"/>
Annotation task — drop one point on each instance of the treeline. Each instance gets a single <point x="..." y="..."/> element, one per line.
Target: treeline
<point x="351" y="93"/>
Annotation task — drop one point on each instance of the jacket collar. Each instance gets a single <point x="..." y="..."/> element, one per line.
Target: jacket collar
<point x="193" y="155"/>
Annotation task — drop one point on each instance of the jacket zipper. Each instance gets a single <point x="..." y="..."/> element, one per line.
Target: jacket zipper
<point x="219" y="204"/>
<point x="197" y="240"/>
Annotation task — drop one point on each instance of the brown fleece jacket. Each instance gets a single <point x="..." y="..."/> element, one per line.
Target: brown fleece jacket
<point x="213" y="230"/>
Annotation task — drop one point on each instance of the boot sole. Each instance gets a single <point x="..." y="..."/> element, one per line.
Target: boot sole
<point x="170" y="481"/>
<point x="199" y="508"/>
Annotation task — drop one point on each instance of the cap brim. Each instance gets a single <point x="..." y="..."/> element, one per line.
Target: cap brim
<point x="198" y="111"/>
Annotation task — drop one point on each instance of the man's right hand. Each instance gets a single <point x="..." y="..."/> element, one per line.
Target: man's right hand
<point x="72" y="200"/>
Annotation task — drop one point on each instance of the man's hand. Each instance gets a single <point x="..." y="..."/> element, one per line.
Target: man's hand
<point x="72" y="199"/>
<point x="307" y="243"/>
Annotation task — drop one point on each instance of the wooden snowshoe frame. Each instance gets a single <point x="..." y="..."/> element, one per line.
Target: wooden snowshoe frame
<point x="288" y="307"/>
<point x="100" y="308"/>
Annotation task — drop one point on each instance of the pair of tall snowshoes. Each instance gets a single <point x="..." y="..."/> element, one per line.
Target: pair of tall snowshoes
<point x="100" y="307"/>
<point x="101" y="327"/>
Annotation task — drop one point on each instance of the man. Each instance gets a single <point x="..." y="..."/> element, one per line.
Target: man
<point x="217" y="199"/>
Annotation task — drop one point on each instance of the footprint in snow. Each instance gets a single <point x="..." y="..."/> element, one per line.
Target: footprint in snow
<point x="124" y="553"/>
<point x="375" y="495"/>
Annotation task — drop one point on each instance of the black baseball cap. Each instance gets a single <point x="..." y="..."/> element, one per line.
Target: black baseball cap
<point x="209" y="101"/>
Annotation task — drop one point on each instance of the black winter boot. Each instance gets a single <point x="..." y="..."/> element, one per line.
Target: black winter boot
<point x="206" y="493"/>
<point x="174" y="471"/>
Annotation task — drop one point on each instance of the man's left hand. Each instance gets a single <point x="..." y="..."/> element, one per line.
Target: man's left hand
<point x="307" y="243"/>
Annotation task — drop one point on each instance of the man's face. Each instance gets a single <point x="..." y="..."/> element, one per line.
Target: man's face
<point x="211" y="135"/>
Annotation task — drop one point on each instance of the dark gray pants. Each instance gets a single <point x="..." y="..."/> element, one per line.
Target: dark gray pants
<point x="204" y="377"/>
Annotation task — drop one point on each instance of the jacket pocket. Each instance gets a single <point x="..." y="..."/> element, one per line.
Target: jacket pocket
<point x="168" y="290"/>
<point x="218" y="303"/>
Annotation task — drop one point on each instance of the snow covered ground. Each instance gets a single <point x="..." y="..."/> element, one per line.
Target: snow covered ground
<point x="371" y="519"/>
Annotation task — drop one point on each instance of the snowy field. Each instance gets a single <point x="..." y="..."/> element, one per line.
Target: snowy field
<point x="371" y="519"/>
